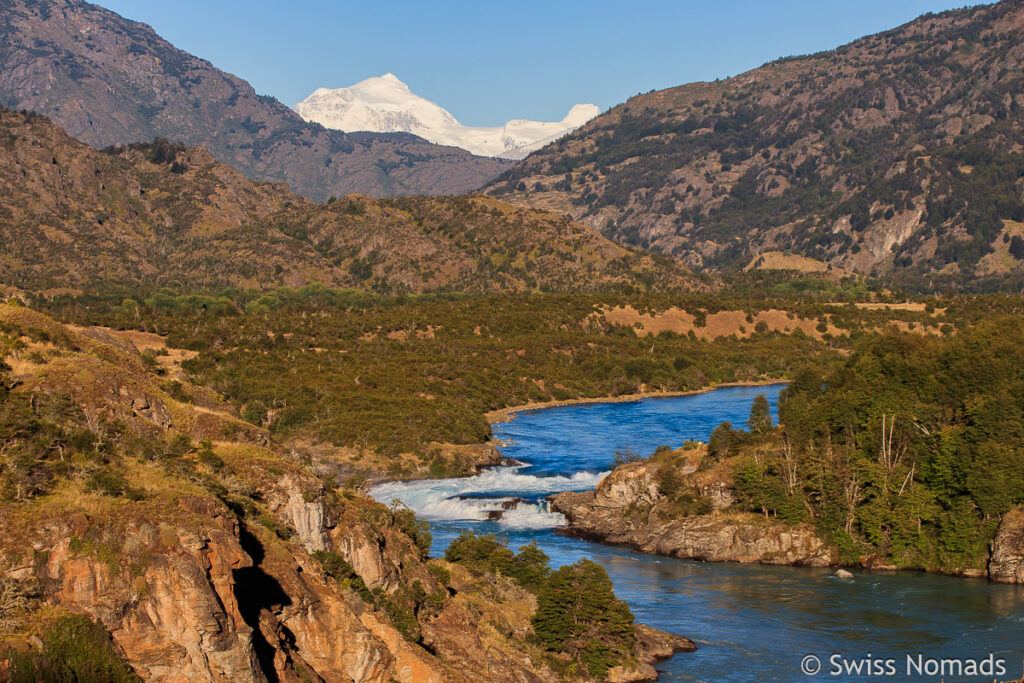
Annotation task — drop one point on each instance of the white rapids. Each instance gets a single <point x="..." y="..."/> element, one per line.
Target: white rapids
<point x="479" y="497"/>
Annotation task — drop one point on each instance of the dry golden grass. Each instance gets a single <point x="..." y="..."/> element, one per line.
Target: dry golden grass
<point x="717" y="325"/>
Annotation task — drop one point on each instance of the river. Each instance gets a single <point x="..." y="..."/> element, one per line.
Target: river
<point x="750" y="622"/>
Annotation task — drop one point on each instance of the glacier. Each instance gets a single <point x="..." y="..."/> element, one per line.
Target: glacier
<point x="384" y="104"/>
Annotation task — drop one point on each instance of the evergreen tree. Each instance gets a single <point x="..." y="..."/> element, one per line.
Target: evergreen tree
<point x="578" y="613"/>
<point x="760" y="421"/>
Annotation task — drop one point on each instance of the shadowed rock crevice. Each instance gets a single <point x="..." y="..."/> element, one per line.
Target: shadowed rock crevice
<point x="257" y="591"/>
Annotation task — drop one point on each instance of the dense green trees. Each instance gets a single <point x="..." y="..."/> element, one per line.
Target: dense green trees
<point x="530" y="566"/>
<point x="760" y="416"/>
<point x="578" y="614"/>
<point x="396" y="374"/>
<point x="912" y="450"/>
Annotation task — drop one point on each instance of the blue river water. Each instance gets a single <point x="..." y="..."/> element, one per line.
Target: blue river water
<point x="750" y="622"/>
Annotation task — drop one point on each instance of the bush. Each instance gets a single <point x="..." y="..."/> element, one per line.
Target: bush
<point x="336" y="567"/>
<point x="415" y="528"/>
<point x="530" y="567"/>
<point x="625" y="456"/>
<point x="110" y="483"/>
<point x="208" y="457"/>
<point x="74" y="649"/>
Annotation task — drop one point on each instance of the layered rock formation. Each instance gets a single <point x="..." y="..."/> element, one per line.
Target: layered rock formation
<point x="628" y="508"/>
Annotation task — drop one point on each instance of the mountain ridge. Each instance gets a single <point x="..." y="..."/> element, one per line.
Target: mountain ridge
<point x="386" y="104"/>
<point x="109" y="80"/>
<point x="896" y="156"/>
<point x="149" y="216"/>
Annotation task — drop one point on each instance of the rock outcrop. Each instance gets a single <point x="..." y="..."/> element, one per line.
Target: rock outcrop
<point x="1006" y="564"/>
<point x="628" y="508"/>
<point x="228" y="560"/>
<point x="652" y="645"/>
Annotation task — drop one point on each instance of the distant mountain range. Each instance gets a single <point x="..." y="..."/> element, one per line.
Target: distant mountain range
<point x="900" y="155"/>
<point x="386" y="105"/>
<point x="108" y="80"/>
<point x="138" y="218"/>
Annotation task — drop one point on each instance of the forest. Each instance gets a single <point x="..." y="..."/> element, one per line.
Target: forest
<point x="910" y="451"/>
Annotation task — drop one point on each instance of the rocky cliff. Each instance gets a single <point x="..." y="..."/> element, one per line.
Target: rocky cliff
<point x="629" y="507"/>
<point x="109" y="80"/>
<point x="209" y="553"/>
<point x="1006" y="563"/>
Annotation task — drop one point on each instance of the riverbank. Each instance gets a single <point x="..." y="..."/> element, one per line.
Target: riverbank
<point x="505" y="414"/>
<point x="631" y="507"/>
<point x="734" y="610"/>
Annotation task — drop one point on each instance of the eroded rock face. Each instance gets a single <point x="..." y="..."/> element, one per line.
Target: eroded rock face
<point x="627" y="508"/>
<point x="190" y="593"/>
<point x="307" y="515"/>
<point x="177" y="618"/>
<point x="196" y="598"/>
<point x="1006" y="564"/>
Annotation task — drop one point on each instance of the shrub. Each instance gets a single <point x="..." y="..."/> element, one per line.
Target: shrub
<point x="415" y="528"/>
<point x="208" y="457"/>
<point x="625" y="456"/>
<point x="111" y="483"/>
<point x="530" y="567"/>
<point x="74" y="649"/>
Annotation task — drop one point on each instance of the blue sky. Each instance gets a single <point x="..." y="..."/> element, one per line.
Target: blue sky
<point x="488" y="61"/>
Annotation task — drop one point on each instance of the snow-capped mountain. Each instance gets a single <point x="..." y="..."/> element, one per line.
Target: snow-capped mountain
<point x="386" y="105"/>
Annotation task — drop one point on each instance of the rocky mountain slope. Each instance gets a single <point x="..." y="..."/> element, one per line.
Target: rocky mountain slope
<point x="386" y="105"/>
<point x="108" y="80"/>
<point x="146" y="524"/>
<point x="897" y="155"/>
<point x="163" y="215"/>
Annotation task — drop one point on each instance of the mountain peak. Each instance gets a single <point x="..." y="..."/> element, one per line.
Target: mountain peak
<point x="580" y="114"/>
<point x="384" y="104"/>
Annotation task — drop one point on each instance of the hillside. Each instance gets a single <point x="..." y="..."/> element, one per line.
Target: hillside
<point x="388" y="379"/>
<point x="151" y="534"/>
<point x="108" y="80"/>
<point x="898" y="155"/>
<point x="163" y="215"/>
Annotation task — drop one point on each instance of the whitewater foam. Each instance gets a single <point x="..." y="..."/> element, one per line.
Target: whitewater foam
<point x="439" y="499"/>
